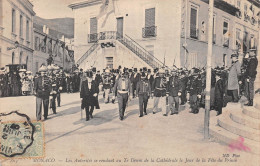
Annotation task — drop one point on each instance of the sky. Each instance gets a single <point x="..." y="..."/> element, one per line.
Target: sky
<point x="50" y="9"/>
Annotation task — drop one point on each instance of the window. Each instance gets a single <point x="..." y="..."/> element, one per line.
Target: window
<point x="193" y="60"/>
<point x="13" y="21"/>
<point x="93" y="30"/>
<point x="238" y="40"/>
<point x="238" y="4"/>
<point x="224" y="60"/>
<point x="13" y="56"/>
<point x="225" y="34"/>
<point x="245" y="7"/>
<point x="214" y="29"/>
<point x="150" y="29"/>
<point x="27" y="30"/>
<point x="194" y="22"/>
<point x="109" y="62"/>
<point x="36" y="43"/>
<point x="27" y="61"/>
<point x="21" y="25"/>
<point x="245" y="43"/>
<point x="20" y="58"/>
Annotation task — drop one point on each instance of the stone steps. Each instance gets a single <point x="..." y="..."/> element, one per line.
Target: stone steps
<point x="246" y="132"/>
<point x="240" y="117"/>
<point x="252" y="112"/>
<point x="221" y="135"/>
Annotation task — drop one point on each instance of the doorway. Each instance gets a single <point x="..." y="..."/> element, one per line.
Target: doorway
<point x="120" y="27"/>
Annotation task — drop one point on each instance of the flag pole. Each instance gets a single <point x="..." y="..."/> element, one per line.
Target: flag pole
<point x="63" y="54"/>
<point x="208" y="71"/>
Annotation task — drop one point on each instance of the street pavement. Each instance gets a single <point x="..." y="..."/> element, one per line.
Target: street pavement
<point x="106" y="139"/>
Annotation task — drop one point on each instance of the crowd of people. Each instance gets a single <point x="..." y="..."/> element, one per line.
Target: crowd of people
<point x="169" y="88"/>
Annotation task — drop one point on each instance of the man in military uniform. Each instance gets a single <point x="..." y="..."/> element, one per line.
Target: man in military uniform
<point x="183" y="87"/>
<point x="174" y="92"/>
<point x="42" y="88"/>
<point x="250" y="75"/>
<point x="107" y="84"/>
<point x="195" y="90"/>
<point x="123" y="89"/>
<point x="143" y="92"/>
<point x="88" y="94"/>
<point x="234" y="73"/>
<point x="159" y="92"/>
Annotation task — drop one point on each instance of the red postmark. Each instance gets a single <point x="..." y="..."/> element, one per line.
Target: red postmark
<point x="238" y="145"/>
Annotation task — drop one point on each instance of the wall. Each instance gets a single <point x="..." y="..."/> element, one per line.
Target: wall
<point x="8" y="38"/>
<point x="165" y="44"/>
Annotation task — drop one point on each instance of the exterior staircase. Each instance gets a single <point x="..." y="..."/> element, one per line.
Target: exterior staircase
<point x="238" y="127"/>
<point x="128" y="42"/>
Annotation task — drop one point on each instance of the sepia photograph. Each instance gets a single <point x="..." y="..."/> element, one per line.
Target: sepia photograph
<point x="129" y="83"/>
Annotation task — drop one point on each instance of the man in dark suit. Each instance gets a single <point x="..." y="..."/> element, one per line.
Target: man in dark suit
<point x="150" y="77"/>
<point x="143" y="92"/>
<point x="250" y="75"/>
<point x="42" y="88"/>
<point x="88" y="93"/>
<point x="219" y="92"/>
<point x="137" y="77"/>
<point x="195" y="90"/>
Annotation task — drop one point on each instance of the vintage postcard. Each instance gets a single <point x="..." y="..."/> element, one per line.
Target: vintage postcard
<point x="129" y="82"/>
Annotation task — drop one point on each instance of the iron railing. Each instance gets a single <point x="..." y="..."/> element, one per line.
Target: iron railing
<point x="128" y="42"/>
<point x="92" y="38"/>
<point x="194" y="33"/>
<point x="149" y="31"/>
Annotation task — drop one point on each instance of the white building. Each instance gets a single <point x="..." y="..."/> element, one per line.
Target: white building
<point x="16" y="25"/>
<point x="131" y="33"/>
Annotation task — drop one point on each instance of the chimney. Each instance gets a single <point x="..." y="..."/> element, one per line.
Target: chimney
<point x="47" y="30"/>
<point x="44" y="28"/>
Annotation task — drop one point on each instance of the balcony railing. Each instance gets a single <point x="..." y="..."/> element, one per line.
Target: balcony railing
<point x="194" y="33"/>
<point x="92" y="38"/>
<point x="149" y="31"/>
<point x="226" y="42"/>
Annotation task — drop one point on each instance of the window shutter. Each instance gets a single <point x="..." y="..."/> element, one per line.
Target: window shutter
<point x="93" y="25"/>
<point x="150" y="17"/>
<point x="193" y="22"/>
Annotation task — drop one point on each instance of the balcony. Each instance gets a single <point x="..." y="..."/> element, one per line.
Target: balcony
<point x="149" y="31"/>
<point x="194" y="33"/>
<point x="92" y="38"/>
<point x="226" y="42"/>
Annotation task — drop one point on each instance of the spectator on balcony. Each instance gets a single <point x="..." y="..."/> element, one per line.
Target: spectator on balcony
<point x="234" y="73"/>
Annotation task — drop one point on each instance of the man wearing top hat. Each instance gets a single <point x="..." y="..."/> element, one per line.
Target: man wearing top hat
<point x="124" y="90"/>
<point x="159" y="92"/>
<point x="88" y="93"/>
<point x="250" y="76"/>
<point x="219" y="92"/>
<point x="97" y="79"/>
<point x="143" y="92"/>
<point x="136" y="78"/>
<point x="234" y="73"/>
<point x="42" y="88"/>
<point x="150" y="77"/>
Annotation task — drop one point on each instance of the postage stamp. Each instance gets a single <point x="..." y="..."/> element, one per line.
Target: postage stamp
<point x="19" y="137"/>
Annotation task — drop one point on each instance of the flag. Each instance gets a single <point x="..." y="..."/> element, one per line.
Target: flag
<point x="43" y="44"/>
<point x="50" y="47"/>
<point x="106" y="9"/>
<point x="55" y="48"/>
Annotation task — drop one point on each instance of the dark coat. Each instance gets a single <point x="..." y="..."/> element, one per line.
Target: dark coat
<point x="150" y="78"/>
<point x="219" y="89"/>
<point x="159" y="86"/>
<point x="87" y="94"/>
<point x="195" y="86"/>
<point x="143" y="87"/>
<point x="251" y="68"/>
<point x="173" y="86"/>
<point x="42" y="88"/>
